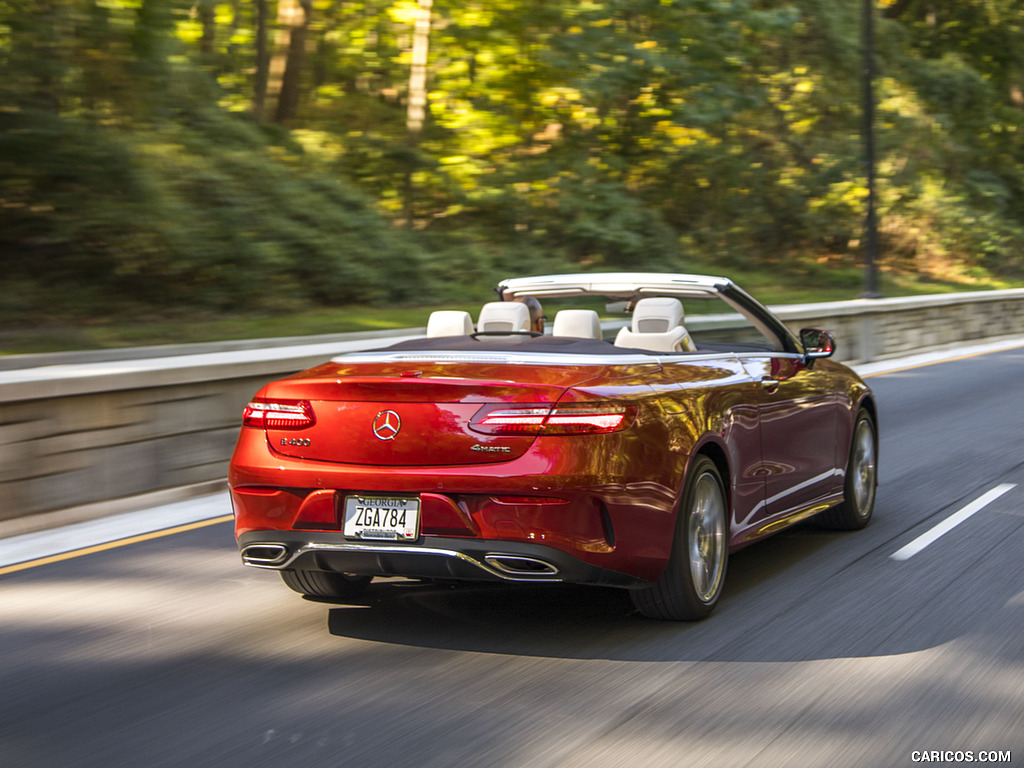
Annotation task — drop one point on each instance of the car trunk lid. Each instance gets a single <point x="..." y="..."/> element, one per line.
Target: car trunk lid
<point x="412" y="414"/>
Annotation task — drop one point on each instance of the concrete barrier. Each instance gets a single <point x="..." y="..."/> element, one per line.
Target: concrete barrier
<point x="86" y="431"/>
<point x="877" y="329"/>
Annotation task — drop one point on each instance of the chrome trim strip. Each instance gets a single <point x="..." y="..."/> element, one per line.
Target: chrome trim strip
<point x="744" y="355"/>
<point x="265" y="562"/>
<point x="403" y="550"/>
<point x="531" y="358"/>
<point x="799" y="509"/>
<point x="547" y="357"/>
<point x="498" y="560"/>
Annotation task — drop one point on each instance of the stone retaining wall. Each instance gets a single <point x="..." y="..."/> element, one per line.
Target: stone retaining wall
<point x="867" y="330"/>
<point x="58" y="452"/>
<point x="71" y="434"/>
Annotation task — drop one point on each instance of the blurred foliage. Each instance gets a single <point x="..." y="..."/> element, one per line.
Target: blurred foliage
<point x="146" y="171"/>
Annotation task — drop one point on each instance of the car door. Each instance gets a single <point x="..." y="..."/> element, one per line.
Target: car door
<point x="799" y="416"/>
<point x="717" y="397"/>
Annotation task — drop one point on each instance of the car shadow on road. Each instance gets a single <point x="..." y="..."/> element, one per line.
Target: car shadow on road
<point x="569" y="621"/>
<point x="803" y="594"/>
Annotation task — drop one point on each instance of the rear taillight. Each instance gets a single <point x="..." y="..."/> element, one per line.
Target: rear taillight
<point x="510" y="421"/>
<point x="588" y="419"/>
<point x="563" y="419"/>
<point x="278" y="414"/>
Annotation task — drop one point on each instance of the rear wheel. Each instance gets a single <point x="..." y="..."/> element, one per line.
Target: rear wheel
<point x="692" y="582"/>
<point x="326" y="584"/>
<point x="861" y="480"/>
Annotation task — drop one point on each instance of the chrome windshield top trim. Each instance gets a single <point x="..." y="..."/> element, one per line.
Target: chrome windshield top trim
<point x="624" y="284"/>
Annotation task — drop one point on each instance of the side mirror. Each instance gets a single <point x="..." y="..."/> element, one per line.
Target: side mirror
<point x="817" y="343"/>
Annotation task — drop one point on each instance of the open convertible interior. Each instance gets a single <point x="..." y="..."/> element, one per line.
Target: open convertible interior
<point x="654" y="325"/>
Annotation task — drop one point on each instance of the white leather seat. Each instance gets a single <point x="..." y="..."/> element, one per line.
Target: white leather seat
<point x="657" y="315"/>
<point x="670" y="341"/>
<point x="658" y="327"/>
<point x="577" y="323"/>
<point x="503" y="317"/>
<point x="449" y="322"/>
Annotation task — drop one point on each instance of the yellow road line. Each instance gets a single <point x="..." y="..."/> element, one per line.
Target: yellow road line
<point x="114" y="544"/>
<point x="943" y="360"/>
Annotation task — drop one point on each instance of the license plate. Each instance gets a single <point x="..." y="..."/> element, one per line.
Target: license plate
<point x="382" y="518"/>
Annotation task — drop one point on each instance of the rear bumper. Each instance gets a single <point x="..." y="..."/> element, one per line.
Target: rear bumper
<point x="431" y="557"/>
<point x="605" y="506"/>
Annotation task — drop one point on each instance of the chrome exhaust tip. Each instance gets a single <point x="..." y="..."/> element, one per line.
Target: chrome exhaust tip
<point x="521" y="566"/>
<point x="264" y="555"/>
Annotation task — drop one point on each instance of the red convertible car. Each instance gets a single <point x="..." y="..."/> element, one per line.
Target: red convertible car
<point x="637" y="456"/>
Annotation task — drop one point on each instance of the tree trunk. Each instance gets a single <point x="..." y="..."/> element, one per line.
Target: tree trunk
<point x="417" y="106"/>
<point x="208" y="18"/>
<point x="259" y="86"/>
<point x="290" y="59"/>
<point x="151" y="40"/>
<point x="418" y="72"/>
<point x="38" y="50"/>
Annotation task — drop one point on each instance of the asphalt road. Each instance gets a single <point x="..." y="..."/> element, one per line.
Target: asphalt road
<point x="825" y="649"/>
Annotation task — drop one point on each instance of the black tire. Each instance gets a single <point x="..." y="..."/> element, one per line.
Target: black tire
<point x="326" y="584"/>
<point x="691" y="584"/>
<point x="861" y="480"/>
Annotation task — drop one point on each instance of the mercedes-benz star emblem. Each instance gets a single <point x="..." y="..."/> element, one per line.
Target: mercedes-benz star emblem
<point x="386" y="425"/>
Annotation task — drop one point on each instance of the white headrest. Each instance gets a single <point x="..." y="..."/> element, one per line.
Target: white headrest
<point x="503" y="317"/>
<point x="657" y="315"/>
<point x="449" y="322"/>
<point x="670" y="341"/>
<point x="578" y="323"/>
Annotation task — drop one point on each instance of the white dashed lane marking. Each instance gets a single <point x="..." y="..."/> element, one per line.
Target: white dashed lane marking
<point x="951" y="522"/>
